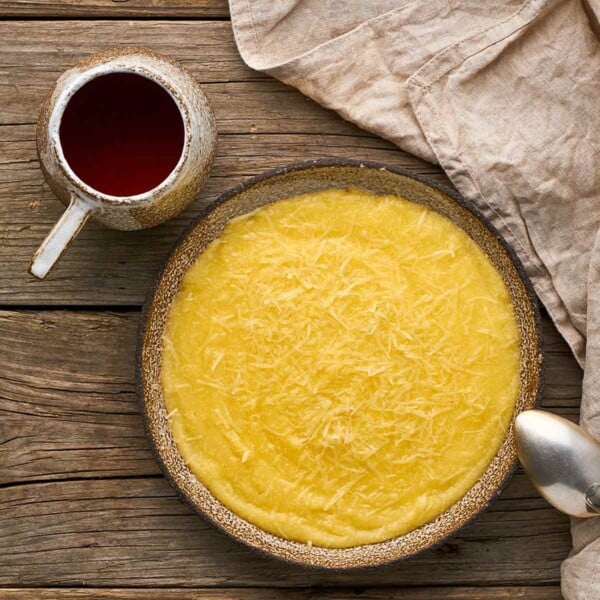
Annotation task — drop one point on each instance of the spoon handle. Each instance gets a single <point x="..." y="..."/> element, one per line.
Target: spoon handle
<point x="592" y="498"/>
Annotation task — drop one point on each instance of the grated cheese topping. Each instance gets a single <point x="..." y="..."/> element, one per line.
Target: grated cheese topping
<point x="339" y="368"/>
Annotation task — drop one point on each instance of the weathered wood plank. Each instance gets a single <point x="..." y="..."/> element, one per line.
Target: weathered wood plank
<point x="135" y="532"/>
<point x="114" y="9"/>
<point x="34" y="53"/>
<point x="67" y="398"/>
<point x="110" y="267"/>
<point x="68" y="415"/>
<point x="388" y="593"/>
<point x="561" y="372"/>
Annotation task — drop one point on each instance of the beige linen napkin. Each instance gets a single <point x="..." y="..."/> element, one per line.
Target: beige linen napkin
<point x="506" y="98"/>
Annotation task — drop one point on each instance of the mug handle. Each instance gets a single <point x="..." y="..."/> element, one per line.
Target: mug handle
<point x="60" y="237"/>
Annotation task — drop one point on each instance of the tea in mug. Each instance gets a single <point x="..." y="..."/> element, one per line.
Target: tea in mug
<point x="122" y="134"/>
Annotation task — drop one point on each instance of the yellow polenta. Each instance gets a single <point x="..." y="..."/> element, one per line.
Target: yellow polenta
<point x="340" y="367"/>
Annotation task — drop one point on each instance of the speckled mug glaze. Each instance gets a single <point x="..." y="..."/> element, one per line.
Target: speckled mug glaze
<point x="150" y="208"/>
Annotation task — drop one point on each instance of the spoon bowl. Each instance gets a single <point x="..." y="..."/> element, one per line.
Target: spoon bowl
<point x="562" y="460"/>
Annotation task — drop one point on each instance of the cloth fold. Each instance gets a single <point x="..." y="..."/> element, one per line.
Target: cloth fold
<point x="505" y="96"/>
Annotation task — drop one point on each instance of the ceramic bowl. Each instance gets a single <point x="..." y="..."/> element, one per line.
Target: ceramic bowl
<point x="291" y="181"/>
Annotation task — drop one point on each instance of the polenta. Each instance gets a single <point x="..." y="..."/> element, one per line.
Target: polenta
<point x="339" y="367"/>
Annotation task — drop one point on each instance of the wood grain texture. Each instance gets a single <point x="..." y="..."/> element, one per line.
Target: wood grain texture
<point x="116" y="268"/>
<point x="82" y="502"/>
<point x="136" y="532"/>
<point x="389" y="593"/>
<point x="114" y="9"/>
<point x="262" y="124"/>
<point x="34" y="53"/>
<point x="67" y="399"/>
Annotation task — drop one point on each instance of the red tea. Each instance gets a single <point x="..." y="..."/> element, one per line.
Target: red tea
<point x="122" y="134"/>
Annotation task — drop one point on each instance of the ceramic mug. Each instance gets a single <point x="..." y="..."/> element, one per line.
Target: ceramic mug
<point x="145" y="207"/>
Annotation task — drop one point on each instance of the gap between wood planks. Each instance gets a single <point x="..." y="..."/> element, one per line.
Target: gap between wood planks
<point x="114" y="9"/>
<point x="387" y="593"/>
<point x="7" y="18"/>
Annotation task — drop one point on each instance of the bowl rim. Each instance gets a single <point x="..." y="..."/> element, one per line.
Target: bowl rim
<point x="144" y="323"/>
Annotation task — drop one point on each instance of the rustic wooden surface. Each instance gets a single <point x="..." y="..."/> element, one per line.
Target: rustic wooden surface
<point x="84" y="510"/>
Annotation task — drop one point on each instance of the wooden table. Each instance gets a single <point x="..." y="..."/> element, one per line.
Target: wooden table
<point x="84" y="510"/>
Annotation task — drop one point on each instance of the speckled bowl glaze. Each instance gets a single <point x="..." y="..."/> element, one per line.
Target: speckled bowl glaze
<point x="291" y="181"/>
<point x="139" y="211"/>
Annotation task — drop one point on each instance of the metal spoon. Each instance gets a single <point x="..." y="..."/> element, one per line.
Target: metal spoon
<point x="562" y="460"/>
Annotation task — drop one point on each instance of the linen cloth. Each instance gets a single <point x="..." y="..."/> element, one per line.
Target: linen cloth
<point x="505" y="96"/>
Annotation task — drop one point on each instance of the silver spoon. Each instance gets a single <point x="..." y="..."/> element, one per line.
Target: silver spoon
<point x="562" y="460"/>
